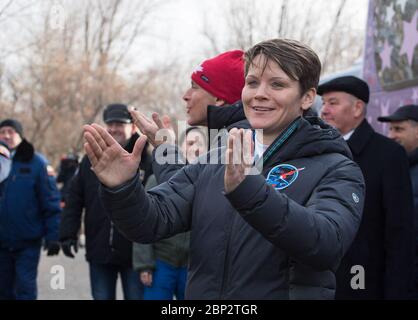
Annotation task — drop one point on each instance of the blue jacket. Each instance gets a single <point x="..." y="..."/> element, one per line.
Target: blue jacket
<point x="29" y="201"/>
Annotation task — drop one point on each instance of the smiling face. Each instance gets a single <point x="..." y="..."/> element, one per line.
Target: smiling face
<point x="342" y="110"/>
<point x="121" y="132"/>
<point x="10" y="137"/>
<point x="271" y="99"/>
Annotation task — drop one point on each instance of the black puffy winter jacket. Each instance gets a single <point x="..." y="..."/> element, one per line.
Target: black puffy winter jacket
<point x="278" y="235"/>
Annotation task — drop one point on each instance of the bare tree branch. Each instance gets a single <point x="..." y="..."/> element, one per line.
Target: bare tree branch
<point x="18" y="12"/>
<point x="2" y="10"/>
<point x="282" y="20"/>
<point x="332" y="32"/>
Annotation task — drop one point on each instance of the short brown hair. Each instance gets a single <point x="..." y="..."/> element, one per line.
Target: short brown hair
<point x="296" y="59"/>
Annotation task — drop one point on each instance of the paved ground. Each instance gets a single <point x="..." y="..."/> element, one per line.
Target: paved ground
<point x="77" y="283"/>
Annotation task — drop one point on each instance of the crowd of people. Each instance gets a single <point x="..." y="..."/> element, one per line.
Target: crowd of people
<point x="282" y="203"/>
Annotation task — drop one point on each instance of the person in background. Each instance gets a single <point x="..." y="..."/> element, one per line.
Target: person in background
<point x="108" y="252"/>
<point x="163" y="265"/>
<point x="218" y="81"/>
<point x="215" y="84"/>
<point x="29" y="215"/>
<point x="403" y="128"/>
<point x="67" y="168"/>
<point x="383" y="245"/>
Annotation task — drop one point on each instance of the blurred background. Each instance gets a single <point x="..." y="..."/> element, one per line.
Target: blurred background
<point x="62" y="61"/>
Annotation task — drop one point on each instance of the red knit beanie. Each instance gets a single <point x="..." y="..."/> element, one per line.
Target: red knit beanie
<point x="222" y="76"/>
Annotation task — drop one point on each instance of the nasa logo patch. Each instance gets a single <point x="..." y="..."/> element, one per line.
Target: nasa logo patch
<point x="282" y="176"/>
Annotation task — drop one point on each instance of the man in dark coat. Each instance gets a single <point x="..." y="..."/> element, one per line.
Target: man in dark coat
<point x="404" y="130"/>
<point x="67" y="168"/>
<point x="379" y="263"/>
<point x="108" y="252"/>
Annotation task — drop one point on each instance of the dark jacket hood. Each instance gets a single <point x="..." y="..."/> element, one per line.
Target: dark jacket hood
<point x="313" y="137"/>
<point x="225" y="116"/>
<point x="131" y="143"/>
<point x="24" y="152"/>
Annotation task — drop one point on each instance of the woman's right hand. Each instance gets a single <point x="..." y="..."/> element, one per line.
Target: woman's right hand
<point x="112" y="164"/>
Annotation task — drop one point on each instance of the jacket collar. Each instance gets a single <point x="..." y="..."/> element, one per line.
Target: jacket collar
<point x="130" y="145"/>
<point x="312" y="137"/>
<point x="24" y="152"/>
<point x="413" y="158"/>
<point x="224" y="116"/>
<point x="360" y="137"/>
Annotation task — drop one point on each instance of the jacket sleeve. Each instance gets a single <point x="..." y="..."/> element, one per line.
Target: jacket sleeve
<point x="162" y="212"/>
<point x="166" y="153"/>
<point x="399" y="225"/>
<point x="143" y="254"/>
<point x="317" y="234"/>
<point x="143" y="257"/>
<point x="71" y="216"/>
<point x="146" y="164"/>
<point x="49" y="198"/>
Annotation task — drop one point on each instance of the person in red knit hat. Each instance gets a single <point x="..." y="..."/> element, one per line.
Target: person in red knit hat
<point x="217" y="81"/>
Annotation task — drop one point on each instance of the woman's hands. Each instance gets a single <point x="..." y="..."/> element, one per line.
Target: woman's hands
<point x="239" y="158"/>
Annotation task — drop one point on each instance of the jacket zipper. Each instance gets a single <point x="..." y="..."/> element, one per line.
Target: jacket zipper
<point x="226" y="261"/>
<point x="269" y="152"/>
<point x="111" y="236"/>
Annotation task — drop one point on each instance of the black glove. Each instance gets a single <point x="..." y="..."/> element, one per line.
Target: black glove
<point x="52" y="247"/>
<point x="66" y="247"/>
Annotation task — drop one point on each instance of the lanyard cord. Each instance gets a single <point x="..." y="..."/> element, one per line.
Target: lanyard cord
<point x="281" y="139"/>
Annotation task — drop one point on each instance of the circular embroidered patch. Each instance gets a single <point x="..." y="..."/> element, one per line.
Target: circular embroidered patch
<point x="282" y="176"/>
